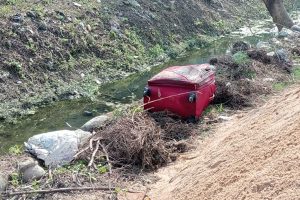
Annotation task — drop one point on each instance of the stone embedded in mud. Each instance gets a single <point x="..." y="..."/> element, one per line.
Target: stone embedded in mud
<point x="87" y="113"/>
<point x="30" y="162"/>
<point x="282" y="34"/>
<point x="33" y="173"/>
<point x="18" y="18"/>
<point x="31" y="14"/>
<point x="94" y="123"/>
<point x="3" y="182"/>
<point x="131" y="3"/>
<point x="42" y="26"/>
<point x="30" y="170"/>
<point x="282" y="55"/>
<point x="264" y="45"/>
<point x="296" y="28"/>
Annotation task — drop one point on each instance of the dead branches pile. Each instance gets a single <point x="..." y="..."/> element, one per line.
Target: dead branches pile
<point x="137" y="141"/>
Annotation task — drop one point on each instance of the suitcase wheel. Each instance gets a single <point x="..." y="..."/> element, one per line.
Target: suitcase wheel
<point x="192" y="97"/>
<point x="147" y="92"/>
<point x="192" y="119"/>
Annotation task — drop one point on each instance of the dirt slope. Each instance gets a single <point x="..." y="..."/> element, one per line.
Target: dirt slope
<point x="254" y="156"/>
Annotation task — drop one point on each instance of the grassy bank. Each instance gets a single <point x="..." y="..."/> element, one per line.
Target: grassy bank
<point x="53" y="50"/>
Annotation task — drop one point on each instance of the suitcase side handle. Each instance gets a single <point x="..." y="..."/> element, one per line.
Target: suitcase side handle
<point x="192" y="97"/>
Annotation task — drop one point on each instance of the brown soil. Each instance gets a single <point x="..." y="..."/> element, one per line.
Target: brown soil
<point x="253" y="156"/>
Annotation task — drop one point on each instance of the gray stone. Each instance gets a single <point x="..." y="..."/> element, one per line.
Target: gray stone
<point x="264" y="45"/>
<point x="42" y="26"/>
<point x="31" y="14"/>
<point x="87" y="113"/>
<point x="133" y="3"/>
<point x="23" y="166"/>
<point x="96" y="122"/>
<point x="296" y="28"/>
<point x="18" y="18"/>
<point x="33" y="173"/>
<point x="282" y="34"/>
<point x="3" y="182"/>
<point x="282" y="55"/>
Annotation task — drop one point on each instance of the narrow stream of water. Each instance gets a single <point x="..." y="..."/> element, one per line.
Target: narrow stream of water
<point x="60" y="114"/>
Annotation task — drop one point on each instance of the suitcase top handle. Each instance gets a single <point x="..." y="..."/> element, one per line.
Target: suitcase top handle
<point x="189" y="74"/>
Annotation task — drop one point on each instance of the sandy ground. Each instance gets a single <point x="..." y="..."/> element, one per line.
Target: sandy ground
<point x="256" y="155"/>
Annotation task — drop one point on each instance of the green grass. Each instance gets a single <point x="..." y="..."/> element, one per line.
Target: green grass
<point x="241" y="58"/>
<point x="296" y="73"/>
<point x="16" y="150"/>
<point x="217" y="108"/>
<point x="279" y="86"/>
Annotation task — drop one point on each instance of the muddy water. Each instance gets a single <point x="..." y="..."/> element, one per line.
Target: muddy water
<point x="71" y="114"/>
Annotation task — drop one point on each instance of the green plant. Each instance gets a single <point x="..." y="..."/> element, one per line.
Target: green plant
<point x="118" y="190"/>
<point x="112" y="35"/>
<point x="279" y="86"/>
<point x="220" y="108"/>
<point x="156" y="51"/>
<point x="35" y="184"/>
<point x="17" y="68"/>
<point x="13" y="2"/>
<point x="173" y="53"/>
<point x="102" y="169"/>
<point x="220" y="24"/>
<point x="296" y="73"/>
<point x="15" y="150"/>
<point x="5" y="10"/>
<point x="198" y="22"/>
<point x="208" y="110"/>
<point x="15" y="179"/>
<point x="241" y="58"/>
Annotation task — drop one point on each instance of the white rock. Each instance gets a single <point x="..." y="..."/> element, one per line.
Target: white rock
<point x="56" y="148"/>
<point x="228" y="84"/>
<point x="77" y="4"/>
<point x="271" y="53"/>
<point x="224" y="118"/>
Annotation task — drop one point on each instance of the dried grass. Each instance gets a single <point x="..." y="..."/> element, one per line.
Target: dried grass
<point x="240" y="85"/>
<point x="146" y="141"/>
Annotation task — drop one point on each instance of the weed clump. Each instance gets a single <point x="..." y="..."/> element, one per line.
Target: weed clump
<point x="245" y="75"/>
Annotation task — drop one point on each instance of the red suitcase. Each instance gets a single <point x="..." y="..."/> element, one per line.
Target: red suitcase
<point x="183" y="90"/>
